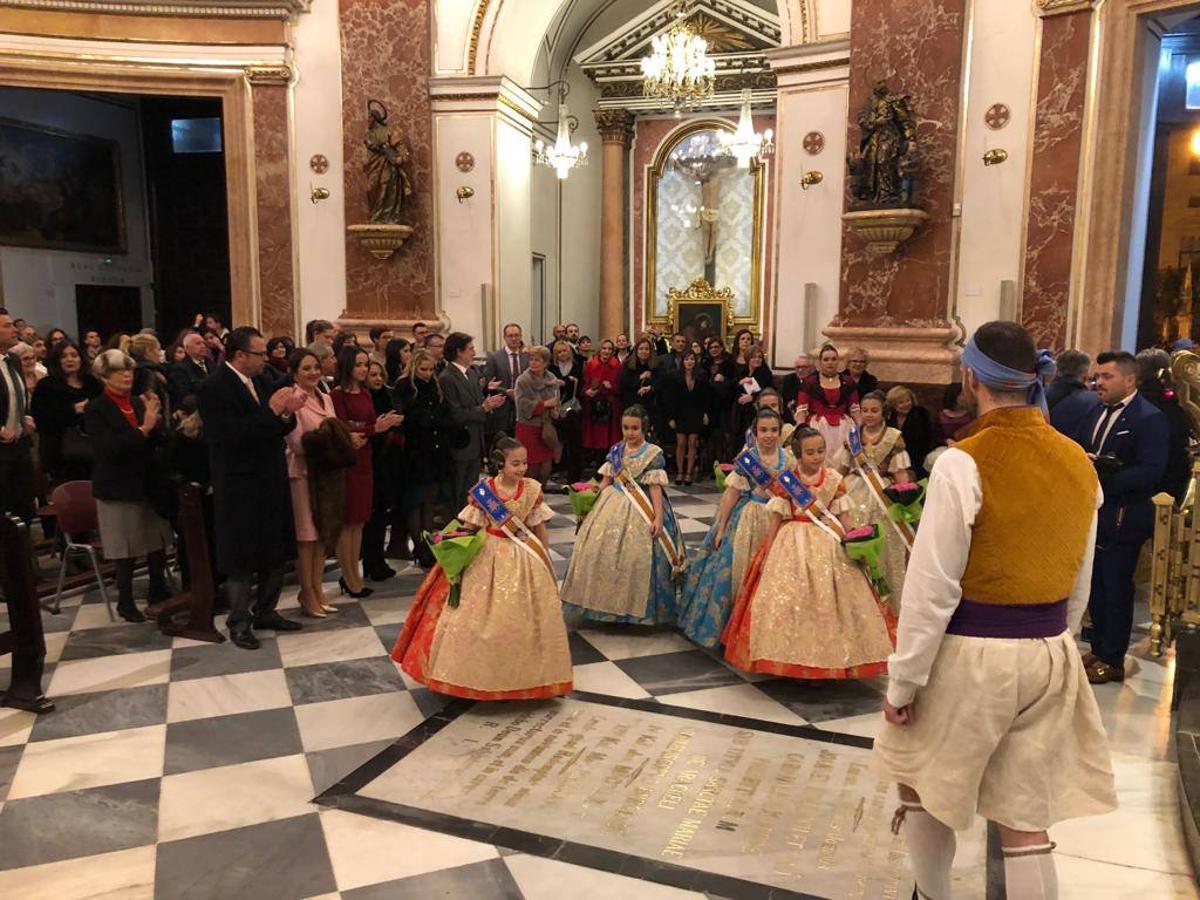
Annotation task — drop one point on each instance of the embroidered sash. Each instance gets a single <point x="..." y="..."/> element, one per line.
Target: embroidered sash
<point x="510" y="524"/>
<point x="758" y="473"/>
<point x="635" y="495"/>
<point x="869" y="472"/>
<point x="809" y="503"/>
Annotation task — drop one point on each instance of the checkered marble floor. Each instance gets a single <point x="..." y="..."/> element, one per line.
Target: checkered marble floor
<point x="173" y="768"/>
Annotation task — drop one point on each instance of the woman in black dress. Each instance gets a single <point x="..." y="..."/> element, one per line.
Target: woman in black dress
<point x="915" y="424"/>
<point x="569" y="372"/>
<point x="751" y="378"/>
<point x="57" y="407"/>
<point x="639" y="376"/>
<point x="717" y="367"/>
<point x="386" y="462"/>
<point x="418" y="397"/>
<point x="686" y="399"/>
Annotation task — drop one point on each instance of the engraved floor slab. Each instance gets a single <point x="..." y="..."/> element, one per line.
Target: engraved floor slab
<point x="698" y="800"/>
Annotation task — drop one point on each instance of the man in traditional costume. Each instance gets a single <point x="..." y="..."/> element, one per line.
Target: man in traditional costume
<point x="988" y="706"/>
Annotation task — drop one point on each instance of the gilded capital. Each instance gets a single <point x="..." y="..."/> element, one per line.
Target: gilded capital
<point x="615" y="125"/>
<point x="1062" y="7"/>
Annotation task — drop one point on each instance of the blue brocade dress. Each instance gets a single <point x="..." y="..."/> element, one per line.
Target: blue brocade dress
<point x="715" y="575"/>
<point x="617" y="574"/>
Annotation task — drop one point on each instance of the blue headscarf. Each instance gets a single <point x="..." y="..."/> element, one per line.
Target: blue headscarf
<point x="1002" y="378"/>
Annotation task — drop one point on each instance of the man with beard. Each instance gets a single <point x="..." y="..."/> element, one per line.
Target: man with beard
<point x="988" y="709"/>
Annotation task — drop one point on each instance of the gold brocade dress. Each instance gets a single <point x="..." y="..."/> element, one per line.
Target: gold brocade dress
<point x="618" y="573"/>
<point x="506" y="640"/>
<point x="805" y="610"/>
<point x="890" y="456"/>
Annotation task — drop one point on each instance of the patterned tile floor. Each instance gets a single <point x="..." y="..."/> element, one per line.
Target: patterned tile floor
<point x="178" y="769"/>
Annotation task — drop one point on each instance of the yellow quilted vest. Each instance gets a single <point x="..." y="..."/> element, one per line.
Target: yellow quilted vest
<point x="1039" y="496"/>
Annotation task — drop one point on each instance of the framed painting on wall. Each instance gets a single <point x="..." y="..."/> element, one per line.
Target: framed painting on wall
<point x="59" y="191"/>
<point x="700" y="311"/>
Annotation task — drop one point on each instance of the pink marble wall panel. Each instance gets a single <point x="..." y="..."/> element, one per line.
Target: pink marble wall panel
<point x="917" y="46"/>
<point x="649" y="135"/>
<point x="1057" y="140"/>
<point x="273" y="189"/>
<point x="386" y="57"/>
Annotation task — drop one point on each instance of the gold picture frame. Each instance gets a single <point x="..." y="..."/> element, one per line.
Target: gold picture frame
<point x="701" y="311"/>
<point x="654" y="172"/>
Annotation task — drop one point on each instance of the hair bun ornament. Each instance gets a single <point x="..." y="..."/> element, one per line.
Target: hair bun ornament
<point x="1045" y="366"/>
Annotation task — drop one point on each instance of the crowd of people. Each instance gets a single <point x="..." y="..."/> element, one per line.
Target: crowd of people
<point x="360" y="450"/>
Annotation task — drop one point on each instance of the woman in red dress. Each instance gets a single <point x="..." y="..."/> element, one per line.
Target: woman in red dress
<point x="828" y="402"/>
<point x="602" y="400"/>
<point x="353" y="405"/>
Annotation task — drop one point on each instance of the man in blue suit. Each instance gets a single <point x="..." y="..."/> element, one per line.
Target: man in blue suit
<point x="1127" y="437"/>
<point x="1067" y="395"/>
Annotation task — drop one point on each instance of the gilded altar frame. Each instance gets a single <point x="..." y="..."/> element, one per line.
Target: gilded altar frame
<point x="654" y="172"/>
<point x="687" y="311"/>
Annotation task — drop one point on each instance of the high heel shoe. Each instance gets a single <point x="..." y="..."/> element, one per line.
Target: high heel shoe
<point x="329" y="608"/>
<point x="308" y="612"/>
<point x="356" y="595"/>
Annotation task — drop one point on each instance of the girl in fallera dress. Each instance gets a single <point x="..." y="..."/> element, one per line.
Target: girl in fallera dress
<point x="804" y="609"/>
<point x="629" y="549"/>
<point x="506" y="639"/>
<point x="770" y="399"/>
<point x="828" y="401"/>
<point x="742" y="524"/>
<point x="884" y="446"/>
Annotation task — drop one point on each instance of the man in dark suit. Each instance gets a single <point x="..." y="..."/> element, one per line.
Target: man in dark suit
<point x="244" y="424"/>
<point x="673" y="360"/>
<point x="857" y="361"/>
<point x="500" y="372"/>
<point x="16" y="428"/>
<point x="1127" y="436"/>
<point x="1072" y="368"/>
<point x="792" y="382"/>
<point x="185" y="377"/>
<point x="1070" y="413"/>
<point x="468" y="410"/>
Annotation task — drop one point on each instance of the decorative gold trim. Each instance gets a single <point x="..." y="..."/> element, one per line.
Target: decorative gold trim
<point x="817" y="66"/>
<point x="476" y="28"/>
<point x="277" y="74"/>
<point x="652" y="173"/>
<point x="244" y="9"/>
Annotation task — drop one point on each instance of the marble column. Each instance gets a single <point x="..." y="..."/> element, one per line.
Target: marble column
<point x="896" y="305"/>
<point x="386" y="57"/>
<point x="272" y="182"/>
<point x="616" y="133"/>
<point x="1054" y="176"/>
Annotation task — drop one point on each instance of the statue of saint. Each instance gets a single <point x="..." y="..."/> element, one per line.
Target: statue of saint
<point x="388" y="184"/>
<point x="883" y="168"/>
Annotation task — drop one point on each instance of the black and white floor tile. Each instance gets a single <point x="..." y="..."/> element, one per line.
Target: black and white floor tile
<point x="173" y="768"/>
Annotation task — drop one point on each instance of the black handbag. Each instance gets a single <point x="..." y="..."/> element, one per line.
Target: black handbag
<point x="75" y="447"/>
<point x="601" y="408"/>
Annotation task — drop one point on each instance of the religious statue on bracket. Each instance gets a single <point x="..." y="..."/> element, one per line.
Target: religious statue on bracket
<point x="388" y="185"/>
<point x="883" y="172"/>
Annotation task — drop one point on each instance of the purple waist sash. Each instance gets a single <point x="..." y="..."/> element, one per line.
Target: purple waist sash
<point x="991" y="620"/>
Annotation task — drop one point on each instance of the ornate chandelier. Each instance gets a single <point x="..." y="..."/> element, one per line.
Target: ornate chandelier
<point x="746" y="144"/>
<point x="562" y="156"/>
<point x="679" y="69"/>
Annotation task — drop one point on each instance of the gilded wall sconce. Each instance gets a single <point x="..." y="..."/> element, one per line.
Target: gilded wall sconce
<point x="809" y="179"/>
<point x="318" y="194"/>
<point x="994" y="157"/>
<point x="464" y="193"/>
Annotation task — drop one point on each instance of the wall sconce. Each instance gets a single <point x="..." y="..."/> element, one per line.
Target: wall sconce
<point x="995" y="157"/>
<point x="809" y="179"/>
<point x="318" y="194"/>
<point x="464" y="193"/>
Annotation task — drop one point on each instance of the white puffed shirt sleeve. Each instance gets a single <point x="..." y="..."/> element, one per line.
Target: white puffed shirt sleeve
<point x="932" y="585"/>
<point x="1078" y="600"/>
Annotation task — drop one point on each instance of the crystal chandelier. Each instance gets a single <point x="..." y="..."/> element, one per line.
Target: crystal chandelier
<point x="678" y="69"/>
<point x="746" y="144"/>
<point x="562" y="156"/>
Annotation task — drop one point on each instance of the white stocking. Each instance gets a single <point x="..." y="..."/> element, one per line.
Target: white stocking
<point x="931" y="847"/>
<point x="1029" y="873"/>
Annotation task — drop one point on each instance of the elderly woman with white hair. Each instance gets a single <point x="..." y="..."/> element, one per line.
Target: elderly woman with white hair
<point x="125" y="431"/>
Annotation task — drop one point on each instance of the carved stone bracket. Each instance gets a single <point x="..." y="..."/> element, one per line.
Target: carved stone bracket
<point x="381" y="240"/>
<point x="884" y="229"/>
<point x="1061" y="7"/>
<point x="615" y="125"/>
<point x="279" y="74"/>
